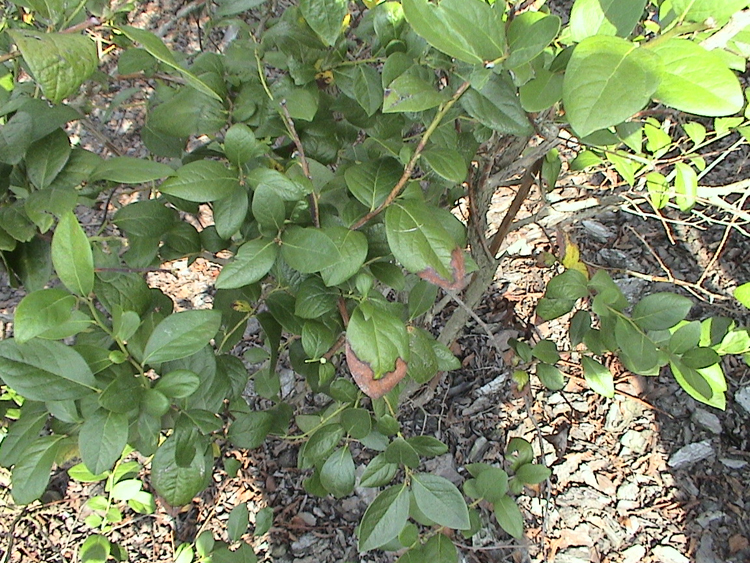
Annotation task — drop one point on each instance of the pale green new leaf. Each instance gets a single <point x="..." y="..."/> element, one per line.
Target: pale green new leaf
<point x="607" y="80"/>
<point x="42" y="370"/>
<point x="72" y="256"/>
<point x="688" y="87"/>
<point x="181" y="335"/>
<point x="59" y="62"/>
<point x="699" y="11"/>
<point x="528" y="35"/>
<point x="604" y="17"/>
<point x="102" y="439"/>
<point x="742" y="294"/>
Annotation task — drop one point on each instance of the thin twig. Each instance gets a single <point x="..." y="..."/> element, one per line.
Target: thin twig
<point x="411" y="165"/>
<point x="312" y="197"/>
<point x="523" y="191"/>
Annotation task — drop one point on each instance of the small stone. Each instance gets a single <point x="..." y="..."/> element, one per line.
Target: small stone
<point x="706" y="552"/>
<point x="635" y="441"/>
<point x="307" y="518"/>
<point x="304" y="543"/>
<point x="445" y="466"/>
<point x="692" y="453"/>
<point x="597" y="230"/>
<point x="733" y="463"/>
<point x="743" y="398"/>
<point x="628" y="491"/>
<point x="707" y="518"/>
<point x="478" y="449"/>
<point x="575" y="555"/>
<point x="707" y="420"/>
<point x="633" y="554"/>
<point x="668" y="554"/>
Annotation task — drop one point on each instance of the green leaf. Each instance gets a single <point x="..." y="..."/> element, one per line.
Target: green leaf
<point x="43" y="370"/>
<point x="546" y="351"/>
<point x="238" y="522"/>
<point x="742" y="294"/>
<point x="317" y="339"/>
<point x="366" y="88"/>
<point x="268" y="208"/>
<point x="263" y="521"/>
<point x="243" y="554"/>
<point x="384" y="518"/>
<point x="314" y="299"/>
<point x="379" y="472"/>
<point x="230" y="213"/>
<point x="129" y="170"/>
<point x="604" y="17"/>
<point x="178" y="384"/>
<point x="409" y="92"/>
<point x="571" y="284"/>
<point x="542" y="92"/>
<point x="509" y="516"/>
<point x="249" y="430"/>
<point x="418" y="239"/>
<point x="178" y="485"/>
<point x="371" y="182"/>
<point x="496" y="105"/>
<point x="637" y="351"/>
<point x="351" y="252"/>
<point x="22" y="432"/>
<point x="187" y="113"/>
<point x="705" y="385"/>
<point x="528" y="35"/>
<point x="580" y="325"/>
<point x="440" y="549"/>
<point x="660" y="311"/>
<point x="427" y="446"/>
<point x="700" y="357"/>
<point x="102" y="439"/>
<point x="30" y="475"/>
<point x="147" y="219"/>
<point x="598" y="377"/>
<point x="446" y="163"/>
<point x="686" y="337"/>
<point x="72" y="256"/>
<point x="126" y="489"/>
<point x="440" y="501"/>
<point x="325" y="17"/>
<point x="421" y="298"/>
<point x="356" y="422"/>
<point x="288" y="189"/>
<point x="159" y="51"/>
<point x="698" y="11"/>
<point x="181" y="335"/>
<point x="234" y="7"/>
<point x="399" y="451"/>
<point x="469" y="30"/>
<point x="201" y="181"/>
<point x="599" y="71"/>
<point x="492" y="484"/>
<point x="551" y="377"/>
<point x="337" y="473"/>
<point x="240" y="144"/>
<point x="46" y="157"/>
<point x="377" y="338"/>
<point x="40" y="311"/>
<point x="253" y="261"/>
<point x="96" y="549"/>
<point x="307" y="249"/>
<point x="60" y="62"/>
<point x="322" y="443"/>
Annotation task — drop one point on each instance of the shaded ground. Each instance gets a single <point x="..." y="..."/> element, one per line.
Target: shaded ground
<point x="613" y="496"/>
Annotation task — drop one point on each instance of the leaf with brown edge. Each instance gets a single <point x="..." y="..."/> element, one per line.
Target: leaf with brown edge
<point x="458" y="270"/>
<point x="364" y="376"/>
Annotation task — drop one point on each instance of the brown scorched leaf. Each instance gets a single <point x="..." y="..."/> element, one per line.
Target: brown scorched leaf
<point x="458" y="269"/>
<point x="363" y="375"/>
